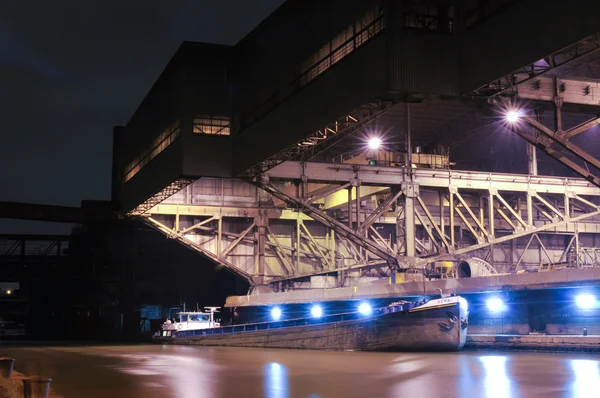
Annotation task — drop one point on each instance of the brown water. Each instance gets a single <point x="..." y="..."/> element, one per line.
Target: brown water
<point x="185" y="372"/>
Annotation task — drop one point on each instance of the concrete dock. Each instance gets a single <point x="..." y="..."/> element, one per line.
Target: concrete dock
<point x="537" y="342"/>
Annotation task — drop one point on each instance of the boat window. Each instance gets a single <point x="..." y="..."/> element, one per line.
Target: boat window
<point x="184" y="318"/>
<point x="199" y="318"/>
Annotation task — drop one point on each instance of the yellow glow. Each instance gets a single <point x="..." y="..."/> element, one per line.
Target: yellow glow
<point x="8" y="292"/>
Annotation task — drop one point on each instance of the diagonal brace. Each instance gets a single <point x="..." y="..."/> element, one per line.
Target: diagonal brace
<point x="325" y="219"/>
<point x="563" y="141"/>
<point x="379" y="210"/>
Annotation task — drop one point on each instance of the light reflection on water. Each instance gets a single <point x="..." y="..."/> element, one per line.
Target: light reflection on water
<point x="496" y="383"/>
<point x="587" y="378"/>
<point x="276" y="380"/>
<point x="185" y="372"/>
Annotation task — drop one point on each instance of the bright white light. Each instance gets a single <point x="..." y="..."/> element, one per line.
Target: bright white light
<point x="513" y="116"/>
<point x="585" y="301"/>
<point x="364" y="309"/>
<point x="495" y="304"/>
<point x="463" y="304"/>
<point x="276" y="313"/>
<point x="8" y="292"/>
<point x="374" y="143"/>
<point x="316" y="311"/>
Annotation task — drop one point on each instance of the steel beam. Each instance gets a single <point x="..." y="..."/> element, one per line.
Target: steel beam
<point x="212" y="256"/>
<point x="560" y="139"/>
<point x="393" y="196"/>
<point x="325" y="219"/>
<point x="571" y="91"/>
<point x="434" y="178"/>
<point x="559" y="156"/>
<point x="534" y="71"/>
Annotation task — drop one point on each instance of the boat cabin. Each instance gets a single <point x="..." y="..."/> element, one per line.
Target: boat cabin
<point x="190" y="320"/>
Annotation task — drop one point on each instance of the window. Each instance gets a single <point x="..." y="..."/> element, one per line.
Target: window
<point x="341" y="45"/>
<point x="199" y="318"/>
<point x="214" y="125"/>
<point x="159" y="144"/>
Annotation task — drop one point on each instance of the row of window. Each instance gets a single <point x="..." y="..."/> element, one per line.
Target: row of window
<point x="159" y="144"/>
<point x="342" y="44"/>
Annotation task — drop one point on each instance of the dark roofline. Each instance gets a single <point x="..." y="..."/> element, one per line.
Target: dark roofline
<point x="185" y="45"/>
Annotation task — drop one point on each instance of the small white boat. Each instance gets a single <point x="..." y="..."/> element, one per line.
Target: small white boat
<point x="189" y="320"/>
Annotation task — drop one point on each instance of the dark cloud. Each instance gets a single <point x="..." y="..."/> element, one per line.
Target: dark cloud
<point x="71" y="70"/>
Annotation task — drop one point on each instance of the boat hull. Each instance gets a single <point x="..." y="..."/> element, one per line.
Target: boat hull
<point x="439" y="328"/>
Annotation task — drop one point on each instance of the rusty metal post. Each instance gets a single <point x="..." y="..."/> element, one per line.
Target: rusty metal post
<point x="36" y="387"/>
<point x="6" y="367"/>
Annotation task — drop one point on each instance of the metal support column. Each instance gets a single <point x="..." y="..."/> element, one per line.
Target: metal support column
<point x="358" y="206"/>
<point x="350" y="207"/>
<point x="409" y="219"/>
<point x="408" y="139"/>
<point x="532" y="159"/>
<point x="219" y="235"/>
<point x="261" y="239"/>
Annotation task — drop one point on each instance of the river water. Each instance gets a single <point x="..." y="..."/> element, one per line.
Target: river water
<point x="197" y="372"/>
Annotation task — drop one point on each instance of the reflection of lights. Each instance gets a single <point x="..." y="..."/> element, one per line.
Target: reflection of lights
<point x="276" y="313"/>
<point x="374" y="143"/>
<point x="497" y="382"/>
<point x="494" y="304"/>
<point x="364" y="309"/>
<point x="316" y="311"/>
<point x="587" y="378"/>
<point x="276" y="380"/>
<point x="513" y="116"/>
<point x="585" y="301"/>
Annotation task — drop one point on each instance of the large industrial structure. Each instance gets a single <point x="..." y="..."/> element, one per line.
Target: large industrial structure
<point x="368" y="148"/>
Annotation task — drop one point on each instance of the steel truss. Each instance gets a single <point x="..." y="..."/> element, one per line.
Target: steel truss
<point x="454" y="213"/>
<point x="356" y="237"/>
<point x="556" y="142"/>
<point x="533" y="71"/>
<point x="324" y="138"/>
<point x="160" y="196"/>
<point x="486" y="208"/>
<point x="338" y="254"/>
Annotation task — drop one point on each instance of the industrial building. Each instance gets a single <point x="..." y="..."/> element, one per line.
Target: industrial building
<point x="374" y="149"/>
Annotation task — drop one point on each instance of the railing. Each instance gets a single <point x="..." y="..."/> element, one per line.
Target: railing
<point x="359" y="39"/>
<point x="290" y="323"/>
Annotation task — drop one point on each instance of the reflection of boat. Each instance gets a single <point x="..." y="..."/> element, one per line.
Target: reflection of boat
<point x="439" y="325"/>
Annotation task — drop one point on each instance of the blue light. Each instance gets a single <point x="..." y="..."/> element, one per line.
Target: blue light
<point x="495" y="304"/>
<point x="276" y="313"/>
<point x="316" y="311"/>
<point x="585" y="301"/>
<point x="365" y="309"/>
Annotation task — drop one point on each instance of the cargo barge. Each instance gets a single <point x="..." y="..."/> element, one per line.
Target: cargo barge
<point x="436" y="325"/>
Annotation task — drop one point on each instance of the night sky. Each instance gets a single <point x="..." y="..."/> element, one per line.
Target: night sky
<point x="71" y="70"/>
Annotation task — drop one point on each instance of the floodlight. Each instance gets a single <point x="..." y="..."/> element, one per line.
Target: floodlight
<point x="276" y="313"/>
<point x="364" y="308"/>
<point x="513" y="116"/>
<point x="585" y="301"/>
<point x="494" y="304"/>
<point x="374" y="143"/>
<point x="316" y="311"/>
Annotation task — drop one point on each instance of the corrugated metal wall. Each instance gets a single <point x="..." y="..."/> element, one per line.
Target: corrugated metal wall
<point x="420" y="62"/>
